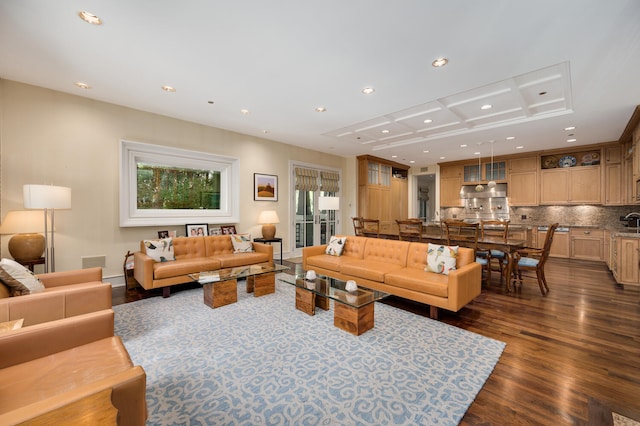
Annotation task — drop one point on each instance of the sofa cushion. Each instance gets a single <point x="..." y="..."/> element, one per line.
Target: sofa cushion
<point x="335" y="246"/>
<point x="373" y="270"/>
<point x="326" y="261"/>
<point x="241" y="243"/>
<point x="354" y="247"/>
<point x="20" y="279"/>
<point x="184" y="267"/>
<point x="419" y="280"/>
<point x="160" y="250"/>
<point x="441" y="259"/>
<point x="241" y="259"/>
<point x="386" y="251"/>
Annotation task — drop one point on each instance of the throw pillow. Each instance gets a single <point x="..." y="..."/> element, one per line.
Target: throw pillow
<point x="160" y="250"/>
<point x="241" y="243"/>
<point x="20" y="279"/>
<point x="441" y="259"/>
<point x="335" y="246"/>
<point x="11" y="325"/>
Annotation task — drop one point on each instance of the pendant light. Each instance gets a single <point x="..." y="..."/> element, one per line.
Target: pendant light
<point x="492" y="183"/>
<point x="479" y="187"/>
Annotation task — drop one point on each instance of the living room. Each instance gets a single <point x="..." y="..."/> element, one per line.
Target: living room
<point x="66" y="138"/>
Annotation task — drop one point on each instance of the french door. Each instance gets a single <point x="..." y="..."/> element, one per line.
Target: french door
<point x="313" y="226"/>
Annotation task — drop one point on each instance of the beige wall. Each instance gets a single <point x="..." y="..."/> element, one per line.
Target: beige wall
<point x="49" y="137"/>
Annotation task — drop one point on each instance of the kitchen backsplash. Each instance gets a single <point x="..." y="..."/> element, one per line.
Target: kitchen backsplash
<point x="598" y="216"/>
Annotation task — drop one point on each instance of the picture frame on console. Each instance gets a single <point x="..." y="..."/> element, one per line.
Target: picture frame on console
<point x="265" y="187"/>
<point x="163" y="234"/>
<point x="228" y="229"/>
<point x="197" y="230"/>
<point x="215" y="231"/>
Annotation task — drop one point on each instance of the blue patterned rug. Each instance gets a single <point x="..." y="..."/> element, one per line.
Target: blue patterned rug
<point x="262" y="362"/>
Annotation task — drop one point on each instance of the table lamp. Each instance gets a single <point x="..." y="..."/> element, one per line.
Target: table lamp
<point x="329" y="203"/>
<point x="268" y="218"/>
<point x="27" y="242"/>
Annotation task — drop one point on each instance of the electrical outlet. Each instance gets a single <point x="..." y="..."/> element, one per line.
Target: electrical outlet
<point x="523" y="217"/>
<point x="455" y="216"/>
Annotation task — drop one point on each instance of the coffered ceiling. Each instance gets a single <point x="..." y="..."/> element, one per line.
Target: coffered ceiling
<point x="521" y="76"/>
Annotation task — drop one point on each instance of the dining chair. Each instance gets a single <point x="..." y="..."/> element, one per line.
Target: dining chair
<point x="466" y="234"/>
<point x="410" y="229"/>
<point x="357" y="226"/>
<point x="534" y="259"/>
<point x="370" y="227"/>
<point x="499" y="229"/>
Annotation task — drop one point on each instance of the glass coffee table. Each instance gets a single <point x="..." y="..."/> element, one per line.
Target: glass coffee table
<point x="353" y="311"/>
<point x="221" y="286"/>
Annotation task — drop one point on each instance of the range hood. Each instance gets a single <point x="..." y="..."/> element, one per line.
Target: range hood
<point x="469" y="191"/>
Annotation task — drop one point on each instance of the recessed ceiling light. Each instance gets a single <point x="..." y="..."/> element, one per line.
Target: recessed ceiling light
<point x="89" y="17"/>
<point x="210" y="102"/>
<point x="486" y="106"/>
<point x="428" y="120"/>
<point x="439" y="62"/>
<point x="426" y="151"/>
<point x="442" y="158"/>
<point x="168" y="89"/>
<point x="519" y="147"/>
<point x="368" y="90"/>
<point x="321" y="109"/>
<point x="510" y="138"/>
<point x="571" y="140"/>
<point x="464" y="145"/>
<point x="542" y="93"/>
<point x="570" y="128"/>
<point x="82" y="85"/>
<point x="476" y="153"/>
<point x="244" y="111"/>
<point x="394" y="156"/>
<point x="385" y="131"/>
<point x="411" y="162"/>
<point x="266" y="131"/>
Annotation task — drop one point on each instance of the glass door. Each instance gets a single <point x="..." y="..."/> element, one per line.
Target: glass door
<point x="312" y="226"/>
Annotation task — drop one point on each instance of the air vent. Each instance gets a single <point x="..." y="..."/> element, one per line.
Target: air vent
<point x="424" y="169"/>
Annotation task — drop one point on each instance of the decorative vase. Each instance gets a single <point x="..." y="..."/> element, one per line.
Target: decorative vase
<point x="351" y="286"/>
<point x="311" y="275"/>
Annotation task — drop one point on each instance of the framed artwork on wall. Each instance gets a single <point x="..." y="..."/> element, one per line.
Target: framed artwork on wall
<point x="197" y="230"/>
<point x="265" y="187"/>
<point x="228" y="229"/>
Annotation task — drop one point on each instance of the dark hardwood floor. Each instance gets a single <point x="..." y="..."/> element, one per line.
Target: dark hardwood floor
<point x="568" y="354"/>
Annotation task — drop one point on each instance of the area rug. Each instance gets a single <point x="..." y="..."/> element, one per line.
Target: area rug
<point x="262" y="362"/>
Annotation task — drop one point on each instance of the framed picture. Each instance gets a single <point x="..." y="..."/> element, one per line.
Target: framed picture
<point x="197" y="230"/>
<point x="163" y="234"/>
<point x="228" y="229"/>
<point x="265" y="187"/>
<point x="215" y="231"/>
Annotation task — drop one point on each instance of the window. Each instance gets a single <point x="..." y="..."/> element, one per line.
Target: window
<point x="162" y="185"/>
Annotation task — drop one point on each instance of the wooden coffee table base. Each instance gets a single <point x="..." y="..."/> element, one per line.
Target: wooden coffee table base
<point x="353" y="320"/>
<point x="220" y="293"/>
<point x="262" y="284"/>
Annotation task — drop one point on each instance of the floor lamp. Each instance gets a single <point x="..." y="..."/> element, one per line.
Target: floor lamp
<point x="49" y="198"/>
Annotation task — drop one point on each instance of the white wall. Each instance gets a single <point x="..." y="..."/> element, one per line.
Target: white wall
<point x="49" y="137"/>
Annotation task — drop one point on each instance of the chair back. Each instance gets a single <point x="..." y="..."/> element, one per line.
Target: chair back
<point x="546" y="248"/>
<point x="357" y="226"/>
<point x="410" y="229"/>
<point x="462" y="233"/>
<point x="370" y="227"/>
<point x="498" y="228"/>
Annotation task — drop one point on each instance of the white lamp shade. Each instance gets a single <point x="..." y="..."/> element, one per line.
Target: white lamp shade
<point x="23" y="222"/>
<point x="46" y="197"/>
<point x="329" y="203"/>
<point x="268" y="216"/>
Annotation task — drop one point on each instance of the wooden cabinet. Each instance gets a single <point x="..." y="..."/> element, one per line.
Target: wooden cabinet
<point x="627" y="262"/>
<point x="613" y="195"/>
<point x="560" y="246"/>
<point x="522" y="181"/>
<point x="580" y="185"/>
<point x="587" y="244"/>
<point x="382" y="190"/>
<point x="607" y="248"/>
<point x="450" y="184"/>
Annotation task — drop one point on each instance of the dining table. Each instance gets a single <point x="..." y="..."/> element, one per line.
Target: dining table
<point x="489" y="242"/>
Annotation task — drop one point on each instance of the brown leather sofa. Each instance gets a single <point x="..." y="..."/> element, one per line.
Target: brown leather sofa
<point x="70" y="371"/>
<point x="397" y="267"/>
<point x="194" y="254"/>
<point x="67" y="294"/>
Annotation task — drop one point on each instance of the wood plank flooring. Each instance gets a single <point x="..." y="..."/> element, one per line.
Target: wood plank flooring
<point x="578" y="345"/>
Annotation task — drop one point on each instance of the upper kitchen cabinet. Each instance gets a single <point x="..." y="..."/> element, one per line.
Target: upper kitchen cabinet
<point x="450" y="184"/>
<point x="630" y="141"/>
<point x="571" y="178"/>
<point x="522" y="180"/>
<point x="613" y="175"/>
<point x="382" y="190"/>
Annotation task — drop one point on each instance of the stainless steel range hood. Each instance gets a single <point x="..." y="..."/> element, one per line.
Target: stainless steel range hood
<point x="470" y="191"/>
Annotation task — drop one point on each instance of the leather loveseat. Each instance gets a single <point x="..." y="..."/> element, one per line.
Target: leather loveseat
<point x="66" y="294"/>
<point x="192" y="255"/>
<point x="398" y="268"/>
